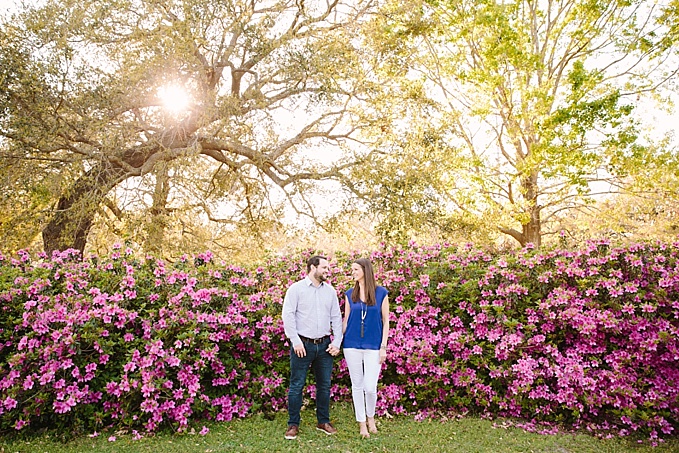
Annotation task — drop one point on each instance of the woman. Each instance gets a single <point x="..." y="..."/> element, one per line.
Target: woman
<point x="366" y="330"/>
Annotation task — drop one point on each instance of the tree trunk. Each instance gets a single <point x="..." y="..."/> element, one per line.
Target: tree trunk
<point x="159" y="213"/>
<point x="531" y="232"/>
<point x="75" y="211"/>
<point x="78" y="205"/>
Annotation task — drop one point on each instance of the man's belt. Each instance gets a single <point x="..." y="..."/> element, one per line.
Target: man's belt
<point x="314" y="340"/>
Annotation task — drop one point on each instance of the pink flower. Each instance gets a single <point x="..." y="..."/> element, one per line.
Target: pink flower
<point x="648" y="308"/>
<point x="204" y="431"/>
<point x="10" y="403"/>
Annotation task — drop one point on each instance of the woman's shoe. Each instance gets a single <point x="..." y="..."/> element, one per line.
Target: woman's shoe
<point x="363" y="430"/>
<point x="371" y="425"/>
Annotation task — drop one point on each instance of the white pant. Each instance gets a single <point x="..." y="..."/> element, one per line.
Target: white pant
<point x="364" y="370"/>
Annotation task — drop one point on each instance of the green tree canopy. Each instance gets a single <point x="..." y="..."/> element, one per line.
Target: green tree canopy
<point x="528" y="105"/>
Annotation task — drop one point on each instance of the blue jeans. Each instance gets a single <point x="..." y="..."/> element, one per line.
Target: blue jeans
<point x="318" y="359"/>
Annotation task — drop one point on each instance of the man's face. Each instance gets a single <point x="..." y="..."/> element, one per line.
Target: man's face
<point x="320" y="272"/>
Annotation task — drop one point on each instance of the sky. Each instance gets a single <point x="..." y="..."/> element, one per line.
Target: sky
<point x="8" y="4"/>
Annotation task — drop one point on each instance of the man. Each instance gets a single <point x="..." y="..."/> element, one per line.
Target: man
<point x="310" y="310"/>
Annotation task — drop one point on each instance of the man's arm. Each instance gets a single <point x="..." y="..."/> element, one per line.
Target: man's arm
<point x="336" y="322"/>
<point x="289" y="322"/>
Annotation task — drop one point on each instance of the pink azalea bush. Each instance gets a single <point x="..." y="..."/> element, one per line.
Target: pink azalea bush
<point x="584" y="338"/>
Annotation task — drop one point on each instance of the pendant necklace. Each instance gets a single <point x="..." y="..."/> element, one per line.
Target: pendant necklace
<point x="363" y="313"/>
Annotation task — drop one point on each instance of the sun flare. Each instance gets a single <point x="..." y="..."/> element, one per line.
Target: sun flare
<point x="175" y="99"/>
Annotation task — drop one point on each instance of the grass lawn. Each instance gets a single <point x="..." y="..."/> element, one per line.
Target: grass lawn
<point x="399" y="434"/>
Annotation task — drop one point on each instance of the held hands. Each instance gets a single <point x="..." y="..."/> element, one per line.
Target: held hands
<point x="333" y="350"/>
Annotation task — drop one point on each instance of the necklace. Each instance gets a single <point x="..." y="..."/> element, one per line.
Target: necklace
<point x="363" y="313"/>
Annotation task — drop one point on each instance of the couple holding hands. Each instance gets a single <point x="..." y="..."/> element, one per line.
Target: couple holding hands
<point x="311" y="312"/>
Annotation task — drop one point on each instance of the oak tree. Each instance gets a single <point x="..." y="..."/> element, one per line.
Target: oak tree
<point x="271" y="90"/>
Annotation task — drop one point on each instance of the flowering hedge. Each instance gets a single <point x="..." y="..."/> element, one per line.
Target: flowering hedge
<point x="585" y="338"/>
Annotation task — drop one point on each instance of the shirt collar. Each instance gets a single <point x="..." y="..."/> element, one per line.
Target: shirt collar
<point x="309" y="282"/>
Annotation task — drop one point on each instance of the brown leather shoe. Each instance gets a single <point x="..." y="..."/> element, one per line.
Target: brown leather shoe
<point x="327" y="428"/>
<point x="292" y="431"/>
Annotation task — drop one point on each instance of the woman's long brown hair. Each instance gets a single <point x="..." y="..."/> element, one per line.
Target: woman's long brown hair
<point x="368" y="281"/>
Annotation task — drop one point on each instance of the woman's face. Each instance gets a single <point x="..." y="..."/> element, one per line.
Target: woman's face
<point x="357" y="272"/>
